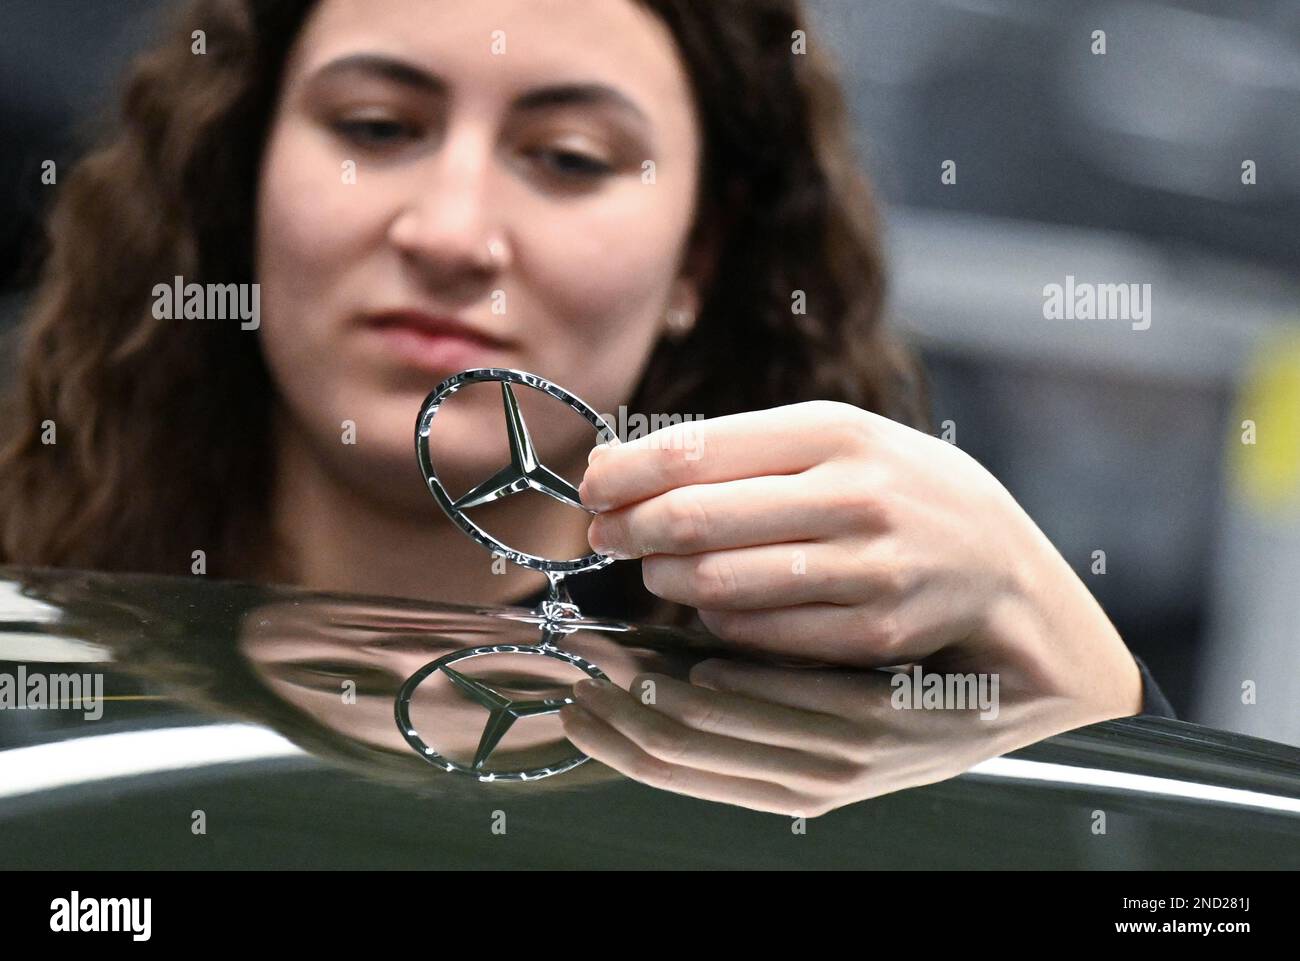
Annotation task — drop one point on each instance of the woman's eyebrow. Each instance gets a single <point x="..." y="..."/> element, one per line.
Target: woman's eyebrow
<point x="595" y="94"/>
<point x="386" y="68"/>
<point x="409" y="75"/>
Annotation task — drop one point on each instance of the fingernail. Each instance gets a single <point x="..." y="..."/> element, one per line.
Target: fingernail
<point x="601" y="546"/>
<point x="707" y="674"/>
<point x="601" y="447"/>
<point x="588" y="687"/>
<point x="611" y="552"/>
<point x="584" y="495"/>
<point x="571" y="713"/>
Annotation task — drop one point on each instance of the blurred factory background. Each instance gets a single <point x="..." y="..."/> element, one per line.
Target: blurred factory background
<point x="1113" y="168"/>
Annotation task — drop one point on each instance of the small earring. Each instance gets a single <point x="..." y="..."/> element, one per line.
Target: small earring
<point x="681" y="321"/>
<point x="497" y="255"/>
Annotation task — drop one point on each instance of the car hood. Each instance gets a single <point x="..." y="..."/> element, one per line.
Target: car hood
<point x="266" y="715"/>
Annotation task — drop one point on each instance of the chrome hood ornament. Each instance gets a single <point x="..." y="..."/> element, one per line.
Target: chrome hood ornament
<point x="557" y="615"/>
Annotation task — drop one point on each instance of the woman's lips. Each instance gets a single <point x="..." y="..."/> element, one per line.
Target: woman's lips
<point x="433" y="343"/>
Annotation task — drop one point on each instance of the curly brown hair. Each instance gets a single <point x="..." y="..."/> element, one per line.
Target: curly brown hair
<point x="162" y="436"/>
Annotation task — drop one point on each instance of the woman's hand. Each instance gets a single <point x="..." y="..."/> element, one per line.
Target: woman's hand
<point x="822" y="531"/>
<point x="793" y="742"/>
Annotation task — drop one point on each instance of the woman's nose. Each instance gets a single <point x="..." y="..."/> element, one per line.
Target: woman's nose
<point x="448" y="225"/>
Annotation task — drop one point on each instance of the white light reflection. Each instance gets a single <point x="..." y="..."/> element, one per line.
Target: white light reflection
<point x="80" y="760"/>
<point x="1018" y="769"/>
<point x="45" y="767"/>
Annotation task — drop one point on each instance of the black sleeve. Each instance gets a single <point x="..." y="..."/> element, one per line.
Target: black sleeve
<point x="1153" y="699"/>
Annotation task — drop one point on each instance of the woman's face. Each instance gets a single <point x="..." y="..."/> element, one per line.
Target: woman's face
<point x="463" y="183"/>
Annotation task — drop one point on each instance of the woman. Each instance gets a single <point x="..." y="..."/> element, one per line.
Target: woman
<point x="650" y="202"/>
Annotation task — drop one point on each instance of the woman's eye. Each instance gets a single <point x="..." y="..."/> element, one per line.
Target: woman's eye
<point x="375" y="132"/>
<point x="569" y="163"/>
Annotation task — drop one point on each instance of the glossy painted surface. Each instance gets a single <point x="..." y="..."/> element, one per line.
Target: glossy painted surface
<point x="232" y="700"/>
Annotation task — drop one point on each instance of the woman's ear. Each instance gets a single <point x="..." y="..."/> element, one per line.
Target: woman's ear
<point x="704" y="249"/>
<point x="699" y="267"/>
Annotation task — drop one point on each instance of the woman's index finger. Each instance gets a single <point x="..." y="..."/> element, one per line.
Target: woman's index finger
<point x="782" y="440"/>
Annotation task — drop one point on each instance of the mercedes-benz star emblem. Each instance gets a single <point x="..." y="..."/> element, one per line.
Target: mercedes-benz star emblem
<point x="524" y="472"/>
<point x="557" y="614"/>
<point x="502" y="711"/>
